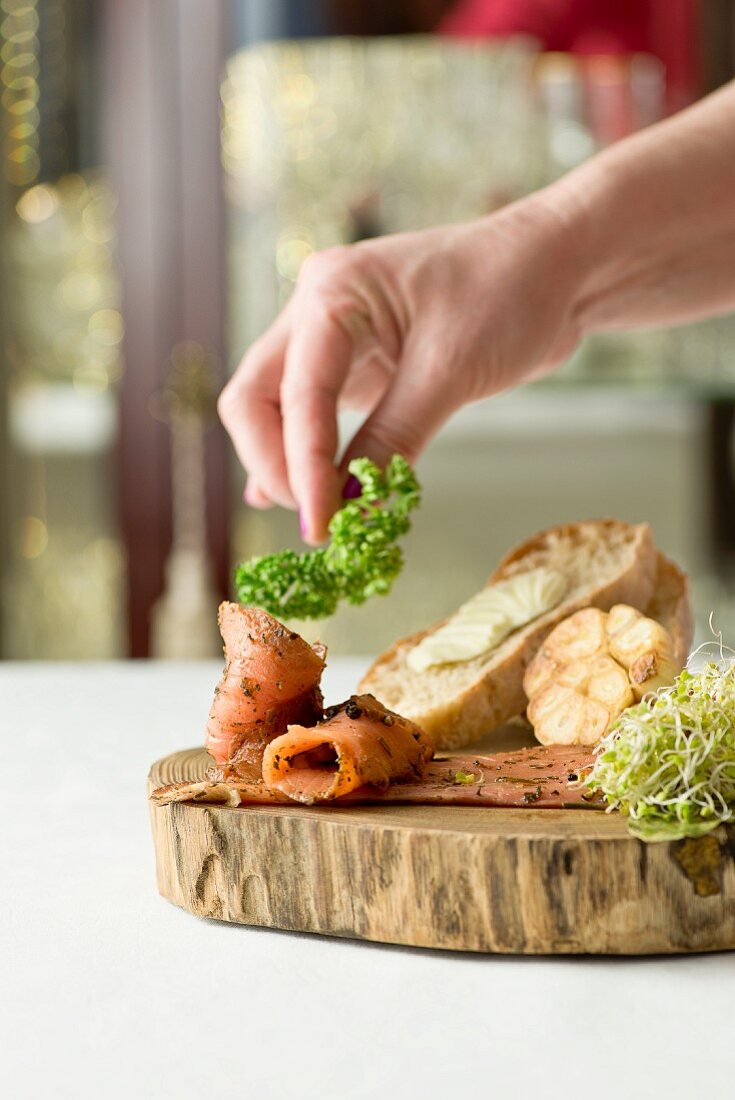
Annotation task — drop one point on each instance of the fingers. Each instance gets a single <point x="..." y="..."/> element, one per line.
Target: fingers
<point x="419" y="401"/>
<point x="255" y="497"/>
<point x="280" y="407"/>
<point x="317" y="361"/>
<point x="249" y="407"/>
<point x="370" y="375"/>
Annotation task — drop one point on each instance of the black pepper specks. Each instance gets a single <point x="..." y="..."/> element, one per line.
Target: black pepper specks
<point x="352" y="710"/>
<point x="532" y="796"/>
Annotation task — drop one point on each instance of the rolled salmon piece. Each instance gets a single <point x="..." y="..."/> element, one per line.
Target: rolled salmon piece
<point x="360" y="743"/>
<point x="271" y="680"/>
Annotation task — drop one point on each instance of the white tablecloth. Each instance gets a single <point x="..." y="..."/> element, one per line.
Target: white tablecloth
<point x="106" y="990"/>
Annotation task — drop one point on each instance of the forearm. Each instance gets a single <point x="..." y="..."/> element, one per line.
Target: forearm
<point x="654" y="218"/>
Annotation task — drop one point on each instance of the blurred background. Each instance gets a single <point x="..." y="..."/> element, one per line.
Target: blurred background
<point x="167" y="165"/>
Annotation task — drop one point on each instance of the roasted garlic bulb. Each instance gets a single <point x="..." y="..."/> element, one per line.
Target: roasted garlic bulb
<point x="590" y="668"/>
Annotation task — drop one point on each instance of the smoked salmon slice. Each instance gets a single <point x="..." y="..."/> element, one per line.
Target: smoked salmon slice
<point x="271" y="680"/>
<point x="360" y="743"/>
<point x="541" y="778"/>
<point x="221" y="792"/>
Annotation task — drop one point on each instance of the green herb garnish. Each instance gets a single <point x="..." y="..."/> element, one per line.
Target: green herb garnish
<point x="360" y="561"/>
<point x="465" y="777"/>
<point x="669" y="762"/>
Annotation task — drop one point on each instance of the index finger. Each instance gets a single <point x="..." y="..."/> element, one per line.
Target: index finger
<point x="249" y="409"/>
<point x="318" y="358"/>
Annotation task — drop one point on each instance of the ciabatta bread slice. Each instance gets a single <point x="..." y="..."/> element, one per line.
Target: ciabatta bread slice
<point x="604" y="561"/>
<point x="670" y="606"/>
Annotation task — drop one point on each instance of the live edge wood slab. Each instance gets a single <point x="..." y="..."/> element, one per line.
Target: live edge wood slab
<point x="453" y="877"/>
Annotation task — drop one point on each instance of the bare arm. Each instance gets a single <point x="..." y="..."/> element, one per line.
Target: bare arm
<point x="659" y="221"/>
<point x="411" y="327"/>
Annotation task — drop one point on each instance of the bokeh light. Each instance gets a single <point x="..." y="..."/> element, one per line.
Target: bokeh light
<point x="19" y="73"/>
<point x="33" y="537"/>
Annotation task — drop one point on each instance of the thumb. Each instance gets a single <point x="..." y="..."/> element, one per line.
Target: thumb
<point x="410" y="413"/>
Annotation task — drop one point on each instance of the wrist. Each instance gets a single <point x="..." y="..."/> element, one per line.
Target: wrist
<point x="563" y="226"/>
<point x="607" y="256"/>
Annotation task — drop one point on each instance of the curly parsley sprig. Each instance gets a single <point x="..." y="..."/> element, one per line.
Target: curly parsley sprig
<point x="360" y="561"/>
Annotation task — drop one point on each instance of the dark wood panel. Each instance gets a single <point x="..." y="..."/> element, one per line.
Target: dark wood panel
<point x="385" y="16"/>
<point x="161" y="125"/>
<point x="140" y="83"/>
<point x="721" y="484"/>
<point x="202" y="45"/>
<point x="717" y="22"/>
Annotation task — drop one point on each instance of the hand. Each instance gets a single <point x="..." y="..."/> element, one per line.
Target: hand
<point x="407" y="328"/>
<point x="410" y="327"/>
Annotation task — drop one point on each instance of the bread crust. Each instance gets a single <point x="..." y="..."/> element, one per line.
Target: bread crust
<point x="671" y="606"/>
<point x="497" y="694"/>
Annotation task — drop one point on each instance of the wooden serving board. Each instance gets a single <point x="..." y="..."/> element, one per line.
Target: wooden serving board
<point x="455" y="877"/>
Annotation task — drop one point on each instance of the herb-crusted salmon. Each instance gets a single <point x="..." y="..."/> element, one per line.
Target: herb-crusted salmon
<point x="360" y="743"/>
<point x="540" y="778"/>
<point x="271" y="680"/>
<point x="272" y="742"/>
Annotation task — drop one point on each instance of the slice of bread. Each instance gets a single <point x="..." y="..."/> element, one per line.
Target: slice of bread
<point x="670" y="606"/>
<point x="605" y="562"/>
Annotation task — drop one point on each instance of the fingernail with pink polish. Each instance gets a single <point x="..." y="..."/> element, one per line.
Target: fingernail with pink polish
<point x="302" y="526"/>
<point x="352" y="488"/>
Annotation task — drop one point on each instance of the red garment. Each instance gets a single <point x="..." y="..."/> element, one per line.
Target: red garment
<point x="669" y="29"/>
